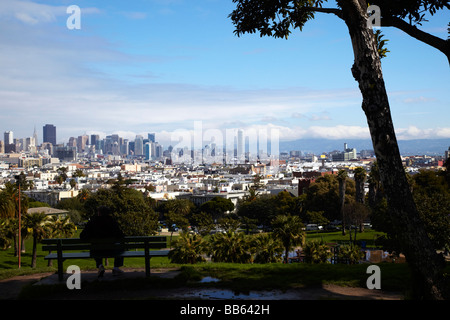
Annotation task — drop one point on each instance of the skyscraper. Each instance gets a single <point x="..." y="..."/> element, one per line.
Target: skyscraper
<point x="49" y="134"/>
<point x="35" y="137"/>
<point x="82" y="141"/>
<point x="139" y="145"/>
<point x="95" y="138"/>
<point x="9" y="139"/>
<point x="9" y="142"/>
<point x="240" y="146"/>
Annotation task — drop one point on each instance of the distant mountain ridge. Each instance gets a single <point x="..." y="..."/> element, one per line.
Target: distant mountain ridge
<point x="407" y="147"/>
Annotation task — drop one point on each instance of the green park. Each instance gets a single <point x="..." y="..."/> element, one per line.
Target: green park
<point x="260" y="245"/>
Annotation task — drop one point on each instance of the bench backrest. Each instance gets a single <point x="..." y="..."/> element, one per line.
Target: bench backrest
<point x="126" y="243"/>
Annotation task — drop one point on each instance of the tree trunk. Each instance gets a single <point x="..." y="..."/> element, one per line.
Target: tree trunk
<point x="410" y="234"/>
<point x="34" y="254"/>
<point x="359" y="193"/>
<point x="286" y="258"/>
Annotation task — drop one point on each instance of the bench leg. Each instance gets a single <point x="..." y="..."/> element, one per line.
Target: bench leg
<point x="147" y="266"/>
<point x="147" y="259"/>
<point x="60" y="261"/>
<point x="60" y="270"/>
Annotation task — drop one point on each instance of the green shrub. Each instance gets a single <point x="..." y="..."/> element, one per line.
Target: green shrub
<point x="350" y="253"/>
<point x="316" y="252"/>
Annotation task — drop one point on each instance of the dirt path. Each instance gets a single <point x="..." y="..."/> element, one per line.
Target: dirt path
<point x="10" y="289"/>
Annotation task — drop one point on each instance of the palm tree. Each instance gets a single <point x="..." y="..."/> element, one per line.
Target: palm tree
<point x="73" y="183"/>
<point x="63" y="172"/>
<point x="360" y="178"/>
<point x="267" y="248"/>
<point x="179" y="209"/>
<point x="188" y="248"/>
<point x="7" y="232"/>
<point x="83" y="195"/>
<point x="182" y="206"/>
<point x="229" y="247"/>
<point x="9" y="207"/>
<point x="60" y="228"/>
<point x="342" y="177"/>
<point x="316" y="252"/>
<point x="37" y="222"/>
<point x="289" y="230"/>
<point x="7" y="202"/>
<point x="78" y="173"/>
<point x="350" y="254"/>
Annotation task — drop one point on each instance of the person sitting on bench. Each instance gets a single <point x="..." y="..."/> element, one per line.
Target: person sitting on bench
<point x="104" y="226"/>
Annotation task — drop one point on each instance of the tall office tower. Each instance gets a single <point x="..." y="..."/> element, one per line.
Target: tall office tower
<point x="49" y="134"/>
<point x="72" y="142"/>
<point x="139" y="145"/>
<point x="147" y="151"/>
<point x="35" y="137"/>
<point x="158" y="150"/>
<point x="82" y="141"/>
<point x="107" y="149"/>
<point x="9" y="139"/>
<point x="240" y="146"/>
<point x="28" y="144"/>
<point x="10" y="146"/>
<point x="95" y="138"/>
<point x="112" y="144"/>
<point x="151" y="137"/>
<point x="131" y="147"/>
<point x="124" y="147"/>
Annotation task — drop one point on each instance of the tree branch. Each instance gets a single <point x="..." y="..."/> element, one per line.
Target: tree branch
<point x="436" y="42"/>
<point x="337" y="12"/>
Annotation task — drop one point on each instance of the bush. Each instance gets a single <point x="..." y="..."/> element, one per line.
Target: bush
<point x="230" y="247"/>
<point x="188" y="249"/>
<point x="267" y="248"/>
<point x="316" y="252"/>
<point x="350" y="254"/>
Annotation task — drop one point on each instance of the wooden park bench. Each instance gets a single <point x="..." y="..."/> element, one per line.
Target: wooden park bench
<point x="129" y="247"/>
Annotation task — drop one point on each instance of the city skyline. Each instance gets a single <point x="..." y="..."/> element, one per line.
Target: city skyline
<point x="153" y="66"/>
<point x="240" y="141"/>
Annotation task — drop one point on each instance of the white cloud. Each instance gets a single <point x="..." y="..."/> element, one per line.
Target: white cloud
<point x="420" y="99"/>
<point x="32" y="13"/>
<point x="51" y="76"/>
<point x="412" y="132"/>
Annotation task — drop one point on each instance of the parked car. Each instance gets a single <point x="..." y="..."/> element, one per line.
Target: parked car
<point x="312" y="227"/>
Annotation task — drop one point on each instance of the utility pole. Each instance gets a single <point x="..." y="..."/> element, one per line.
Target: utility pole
<point x="20" y="227"/>
<point x="19" y="242"/>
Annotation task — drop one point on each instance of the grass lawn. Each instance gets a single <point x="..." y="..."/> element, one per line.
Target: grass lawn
<point x="9" y="263"/>
<point x="369" y="236"/>
<point x="239" y="277"/>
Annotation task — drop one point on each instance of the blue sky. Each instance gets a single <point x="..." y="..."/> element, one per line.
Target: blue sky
<point x="160" y="65"/>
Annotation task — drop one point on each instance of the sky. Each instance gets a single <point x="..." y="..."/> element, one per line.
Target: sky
<point x="160" y="66"/>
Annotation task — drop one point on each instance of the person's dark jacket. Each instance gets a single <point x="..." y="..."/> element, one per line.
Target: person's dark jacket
<point x="100" y="227"/>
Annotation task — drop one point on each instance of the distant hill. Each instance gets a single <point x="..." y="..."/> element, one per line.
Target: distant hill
<point x="407" y="147"/>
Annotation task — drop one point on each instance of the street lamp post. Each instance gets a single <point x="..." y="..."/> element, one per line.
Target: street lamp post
<point x="20" y="228"/>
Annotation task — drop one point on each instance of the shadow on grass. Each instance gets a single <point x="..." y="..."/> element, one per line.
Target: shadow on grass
<point x="236" y="277"/>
